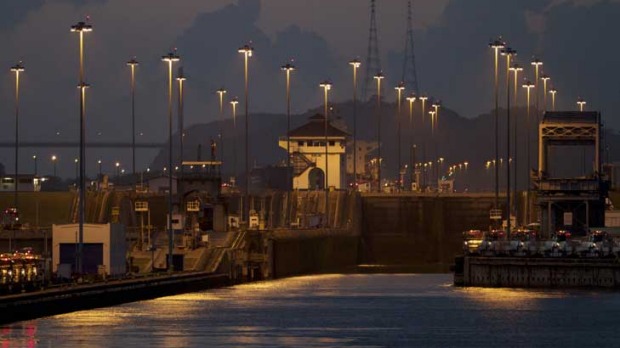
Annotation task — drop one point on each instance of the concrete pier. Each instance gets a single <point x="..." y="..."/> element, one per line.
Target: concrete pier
<point x="80" y="297"/>
<point x="517" y="272"/>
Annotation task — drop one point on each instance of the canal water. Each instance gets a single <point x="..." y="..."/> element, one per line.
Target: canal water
<point x="339" y="310"/>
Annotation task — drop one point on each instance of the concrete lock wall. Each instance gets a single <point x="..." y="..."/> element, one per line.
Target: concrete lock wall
<point x="313" y="251"/>
<point x="419" y="230"/>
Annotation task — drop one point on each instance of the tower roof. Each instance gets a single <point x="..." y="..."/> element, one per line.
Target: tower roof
<point x="316" y="128"/>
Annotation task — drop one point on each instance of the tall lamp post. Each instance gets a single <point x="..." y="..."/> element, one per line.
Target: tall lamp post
<point x="17" y="69"/>
<point x="378" y="77"/>
<point x="99" y="165"/>
<point x="169" y="59"/>
<point x="553" y="92"/>
<point x="247" y="52"/>
<point x="435" y="125"/>
<point x="537" y="64"/>
<point x="528" y="87"/>
<point x="76" y="161"/>
<point x="423" y="100"/>
<point x="411" y="99"/>
<point x="54" y="159"/>
<point x="288" y="68"/>
<point x="355" y="64"/>
<point x="221" y="93"/>
<point x="132" y="67"/>
<point x="181" y="81"/>
<point x="497" y="45"/>
<point x="399" y="91"/>
<point x="34" y="159"/>
<point x="516" y="69"/>
<point x="508" y="53"/>
<point x="545" y="79"/>
<point x="326" y="86"/>
<point x="82" y="28"/>
<point x="581" y="104"/>
<point x="234" y="103"/>
<point x="118" y="173"/>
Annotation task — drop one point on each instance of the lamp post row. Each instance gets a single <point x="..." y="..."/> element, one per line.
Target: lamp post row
<point x="499" y="46"/>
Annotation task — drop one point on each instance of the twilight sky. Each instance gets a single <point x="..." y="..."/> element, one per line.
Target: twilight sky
<point x="574" y="38"/>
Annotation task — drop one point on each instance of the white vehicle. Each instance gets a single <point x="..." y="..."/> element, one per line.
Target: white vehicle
<point x="493" y="243"/>
<point x="587" y="249"/>
<point x="523" y="242"/>
<point x="598" y="244"/>
<point x="472" y="240"/>
<point x="559" y="245"/>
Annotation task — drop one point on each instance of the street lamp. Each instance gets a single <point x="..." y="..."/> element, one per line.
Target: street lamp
<point x="378" y="77"/>
<point x="54" y="159"/>
<point x="221" y="93"/>
<point x="423" y="99"/>
<point x="411" y="99"/>
<point x="508" y="53"/>
<point x="581" y="103"/>
<point x="326" y="85"/>
<point x="247" y="52"/>
<point x="545" y="79"/>
<point x="537" y="63"/>
<point x="34" y="159"/>
<point x="99" y="164"/>
<point x="436" y="106"/>
<point x="435" y="124"/>
<point x="181" y="80"/>
<point x="355" y="64"/>
<point x="76" y="161"/>
<point x="81" y="28"/>
<point x="432" y="113"/>
<point x="399" y="91"/>
<point x="118" y="166"/>
<point x="287" y="68"/>
<point x="132" y="66"/>
<point x="234" y="103"/>
<point x="516" y="69"/>
<point x="497" y="45"/>
<point x="17" y="69"/>
<point x="553" y="92"/>
<point x="528" y="87"/>
<point x="170" y="58"/>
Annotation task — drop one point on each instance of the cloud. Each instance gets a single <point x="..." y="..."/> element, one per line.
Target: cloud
<point x="535" y="22"/>
<point x="13" y="12"/>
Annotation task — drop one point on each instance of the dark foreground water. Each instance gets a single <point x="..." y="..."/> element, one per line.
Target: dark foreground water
<point x="339" y="310"/>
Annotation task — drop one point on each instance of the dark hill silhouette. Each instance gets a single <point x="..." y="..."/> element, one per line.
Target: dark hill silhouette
<point x="457" y="139"/>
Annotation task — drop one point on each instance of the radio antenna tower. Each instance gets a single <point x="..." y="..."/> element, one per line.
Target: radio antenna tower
<point x="373" y="61"/>
<point x="410" y="75"/>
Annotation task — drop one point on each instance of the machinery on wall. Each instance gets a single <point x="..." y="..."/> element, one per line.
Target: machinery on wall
<point x="568" y="198"/>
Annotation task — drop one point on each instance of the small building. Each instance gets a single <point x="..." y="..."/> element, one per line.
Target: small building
<point x="364" y="148"/>
<point x="307" y="151"/>
<point x="160" y="184"/>
<point x="25" y="183"/>
<point x="103" y="245"/>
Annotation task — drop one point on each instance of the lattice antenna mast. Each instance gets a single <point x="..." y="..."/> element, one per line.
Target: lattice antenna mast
<point x="373" y="61"/>
<point x="410" y="75"/>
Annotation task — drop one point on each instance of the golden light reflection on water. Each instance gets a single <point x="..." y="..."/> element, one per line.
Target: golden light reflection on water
<point x="505" y="298"/>
<point x="111" y="316"/>
<point x="287" y="283"/>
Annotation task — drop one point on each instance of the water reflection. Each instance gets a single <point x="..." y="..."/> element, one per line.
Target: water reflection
<point x="19" y="335"/>
<point x="505" y="298"/>
<point x="337" y="310"/>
